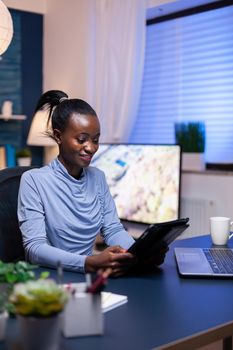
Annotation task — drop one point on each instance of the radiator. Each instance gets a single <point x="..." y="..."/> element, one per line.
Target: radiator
<point x="198" y="211"/>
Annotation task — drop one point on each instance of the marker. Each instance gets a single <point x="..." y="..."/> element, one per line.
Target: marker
<point x="99" y="283"/>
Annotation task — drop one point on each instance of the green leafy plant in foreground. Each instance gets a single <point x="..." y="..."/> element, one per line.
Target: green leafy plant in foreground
<point x="20" y="271"/>
<point x="12" y="273"/>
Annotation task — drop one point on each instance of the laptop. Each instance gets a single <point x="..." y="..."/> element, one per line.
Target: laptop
<point x="215" y="262"/>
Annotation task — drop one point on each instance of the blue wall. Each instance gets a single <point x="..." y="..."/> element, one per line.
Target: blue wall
<point x="21" y="78"/>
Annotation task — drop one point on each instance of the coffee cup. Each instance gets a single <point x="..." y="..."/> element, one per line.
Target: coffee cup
<point x="220" y="229"/>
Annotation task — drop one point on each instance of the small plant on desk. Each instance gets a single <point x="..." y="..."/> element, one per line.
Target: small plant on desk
<point x="38" y="305"/>
<point x="11" y="273"/>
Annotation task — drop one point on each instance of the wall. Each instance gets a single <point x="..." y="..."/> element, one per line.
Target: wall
<point x="67" y="30"/>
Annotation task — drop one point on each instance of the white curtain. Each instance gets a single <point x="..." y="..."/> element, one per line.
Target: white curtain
<point x="116" y="65"/>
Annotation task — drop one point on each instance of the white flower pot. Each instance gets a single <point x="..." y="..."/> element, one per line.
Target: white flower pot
<point x="24" y="161"/>
<point x="40" y="333"/>
<point x="193" y="161"/>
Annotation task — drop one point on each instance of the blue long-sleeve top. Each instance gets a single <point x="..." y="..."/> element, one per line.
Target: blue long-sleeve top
<point x="60" y="216"/>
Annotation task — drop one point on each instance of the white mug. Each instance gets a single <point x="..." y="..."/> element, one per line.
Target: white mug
<point x="220" y="229"/>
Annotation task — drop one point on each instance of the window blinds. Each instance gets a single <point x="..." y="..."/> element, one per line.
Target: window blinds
<point x="188" y="76"/>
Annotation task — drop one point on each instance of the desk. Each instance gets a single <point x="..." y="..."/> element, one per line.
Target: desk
<point x="164" y="311"/>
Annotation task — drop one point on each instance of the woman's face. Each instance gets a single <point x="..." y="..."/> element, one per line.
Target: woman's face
<point x="78" y="142"/>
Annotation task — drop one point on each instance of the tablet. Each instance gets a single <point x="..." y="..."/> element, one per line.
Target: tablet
<point x="157" y="236"/>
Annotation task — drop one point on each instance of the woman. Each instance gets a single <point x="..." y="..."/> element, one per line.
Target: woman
<point x="64" y="205"/>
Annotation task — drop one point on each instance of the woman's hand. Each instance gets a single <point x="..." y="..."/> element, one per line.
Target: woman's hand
<point x="158" y="257"/>
<point x="150" y="264"/>
<point x="115" y="258"/>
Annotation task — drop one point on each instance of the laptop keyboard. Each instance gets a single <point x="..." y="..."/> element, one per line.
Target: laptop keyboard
<point x="220" y="260"/>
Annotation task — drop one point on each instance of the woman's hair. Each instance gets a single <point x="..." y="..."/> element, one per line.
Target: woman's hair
<point x="61" y="108"/>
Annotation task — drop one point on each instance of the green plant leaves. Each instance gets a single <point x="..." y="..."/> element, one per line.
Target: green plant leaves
<point x="191" y="136"/>
<point x="12" y="273"/>
<point x="16" y="272"/>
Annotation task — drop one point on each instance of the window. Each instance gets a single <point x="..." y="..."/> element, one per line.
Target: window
<point x="188" y="76"/>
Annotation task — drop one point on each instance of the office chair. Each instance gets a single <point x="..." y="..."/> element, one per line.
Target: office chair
<point x="11" y="246"/>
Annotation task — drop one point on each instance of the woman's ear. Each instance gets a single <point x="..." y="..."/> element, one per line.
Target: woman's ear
<point x="57" y="136"/>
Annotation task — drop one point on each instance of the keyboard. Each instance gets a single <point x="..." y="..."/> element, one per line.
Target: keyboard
<point x="220" y="259"/>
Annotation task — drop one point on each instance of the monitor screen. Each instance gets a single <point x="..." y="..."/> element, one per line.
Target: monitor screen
<point x="144" y="180"/>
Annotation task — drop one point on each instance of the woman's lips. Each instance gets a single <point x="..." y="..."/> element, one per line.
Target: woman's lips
<point x="86" y="157"/>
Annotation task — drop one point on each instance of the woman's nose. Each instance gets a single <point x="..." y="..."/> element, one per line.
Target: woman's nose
<point x="90" y="147"/>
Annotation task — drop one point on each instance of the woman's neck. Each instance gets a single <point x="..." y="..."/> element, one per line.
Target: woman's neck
<point x="73" y="170"/>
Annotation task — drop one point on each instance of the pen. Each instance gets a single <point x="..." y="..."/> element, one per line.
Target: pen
<point x="99" y="283"/>
<point x="59" y="273"/>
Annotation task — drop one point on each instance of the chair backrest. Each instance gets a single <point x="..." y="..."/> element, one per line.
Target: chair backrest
<point x="11" y="246"/>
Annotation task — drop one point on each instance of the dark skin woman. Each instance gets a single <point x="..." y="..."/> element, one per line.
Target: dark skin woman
<point x="65" y="204"/>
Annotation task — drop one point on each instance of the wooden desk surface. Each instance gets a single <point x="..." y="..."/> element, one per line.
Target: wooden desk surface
<point x="162" y="308"/>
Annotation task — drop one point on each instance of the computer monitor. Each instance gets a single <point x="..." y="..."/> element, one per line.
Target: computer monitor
<point x="144" y="180"/>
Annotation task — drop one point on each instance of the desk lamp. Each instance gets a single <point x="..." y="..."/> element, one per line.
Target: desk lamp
<point x="37" y="136"/>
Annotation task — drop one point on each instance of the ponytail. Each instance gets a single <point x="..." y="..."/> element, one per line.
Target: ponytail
<point x="49" y="100"/>
<point x="61" y="108"/>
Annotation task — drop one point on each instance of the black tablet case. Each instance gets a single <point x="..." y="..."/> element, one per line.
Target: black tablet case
<point x="157" y="236"/>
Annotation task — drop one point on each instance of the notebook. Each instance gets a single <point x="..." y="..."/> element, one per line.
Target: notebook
<point x="215" y="262"/>
<point x="110" y="301"/>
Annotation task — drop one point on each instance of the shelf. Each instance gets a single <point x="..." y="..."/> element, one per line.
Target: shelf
<point x="13" y="117"/>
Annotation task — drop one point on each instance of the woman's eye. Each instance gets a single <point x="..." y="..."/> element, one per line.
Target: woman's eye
<point x="81" y="141"/>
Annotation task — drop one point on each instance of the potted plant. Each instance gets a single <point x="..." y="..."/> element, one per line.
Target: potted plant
<point x="20" y="271"/>
<point x="11" y="273"/>
<point x="191" y="137"/>
<point x="38" y="305"/>
<point x="24" y="157"/>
